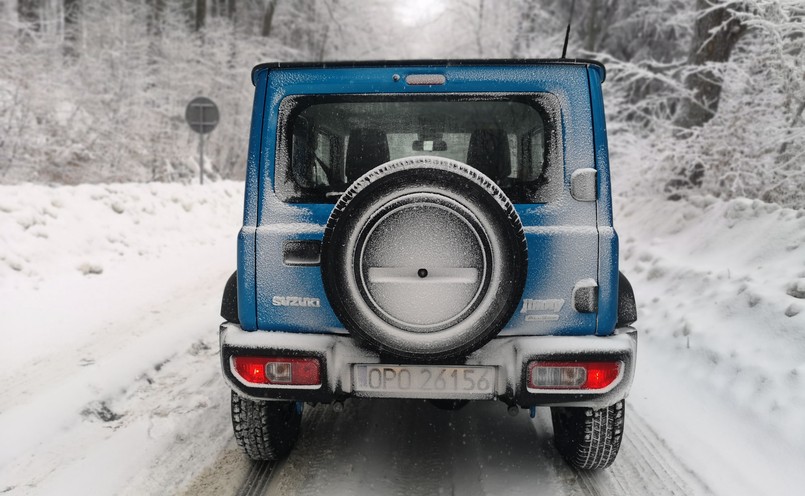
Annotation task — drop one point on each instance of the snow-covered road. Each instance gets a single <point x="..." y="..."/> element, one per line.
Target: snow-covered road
<point x="110" y="382"/>
<point x="408" y="447"/>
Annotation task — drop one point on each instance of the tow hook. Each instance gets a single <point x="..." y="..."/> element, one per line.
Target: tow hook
<point x="514" y="410"/>
<point x="338" y="406"/>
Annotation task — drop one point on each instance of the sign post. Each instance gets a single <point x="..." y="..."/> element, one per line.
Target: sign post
<point x="202" y="116"/>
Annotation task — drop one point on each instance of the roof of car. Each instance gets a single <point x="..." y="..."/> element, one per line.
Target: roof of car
<point x="426" y="62"/>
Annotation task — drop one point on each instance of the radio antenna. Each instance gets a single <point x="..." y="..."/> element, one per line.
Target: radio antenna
<point x="567" y="32"/>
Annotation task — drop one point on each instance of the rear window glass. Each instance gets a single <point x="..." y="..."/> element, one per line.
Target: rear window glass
<point x="328" y="141"/>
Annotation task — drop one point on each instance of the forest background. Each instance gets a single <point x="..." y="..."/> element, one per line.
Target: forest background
<point x="703" y="96"/>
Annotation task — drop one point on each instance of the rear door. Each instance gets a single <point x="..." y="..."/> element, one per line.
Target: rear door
<point x="561" y="231"/>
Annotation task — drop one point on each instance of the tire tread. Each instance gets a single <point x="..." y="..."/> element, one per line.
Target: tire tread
<point x="265" y="430"/>
<point x="589" y="439"/>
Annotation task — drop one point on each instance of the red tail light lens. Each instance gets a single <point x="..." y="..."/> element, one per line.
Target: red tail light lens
<point x="252" y="369"/>
<point x="279" y="370"/>
<point x="572" y="375"/>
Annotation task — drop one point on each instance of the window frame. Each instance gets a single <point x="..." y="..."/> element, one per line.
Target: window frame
<point x="546" y="104"/>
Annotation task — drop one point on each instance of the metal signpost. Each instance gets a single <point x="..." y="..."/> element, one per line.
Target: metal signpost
<point x="202" y="116"/>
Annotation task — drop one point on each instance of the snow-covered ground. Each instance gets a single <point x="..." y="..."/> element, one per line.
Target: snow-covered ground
<point x="721" y="289"/>
<point x="721" y="373"/>
<point x="110" y="383"/>
<point x="110" y="302"/>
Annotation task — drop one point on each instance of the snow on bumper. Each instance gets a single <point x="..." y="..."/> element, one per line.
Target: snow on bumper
<point x="509" y="355"/>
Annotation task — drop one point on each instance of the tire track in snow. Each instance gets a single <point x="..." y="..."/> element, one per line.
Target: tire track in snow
<point x="257" y="479"/>
<point x="27" y="400"/>
<point x="109" y="335"/>
<point x="163" y="427"/>
<point x="645" y="465"/>
<point x="394" y="447"/>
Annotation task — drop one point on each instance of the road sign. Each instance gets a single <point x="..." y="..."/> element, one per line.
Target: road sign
<point x="202" y="115"/>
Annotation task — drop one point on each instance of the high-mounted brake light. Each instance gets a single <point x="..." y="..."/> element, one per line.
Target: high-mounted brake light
<point x="283" y="371"/>
<point x="425" y="79"/>
<point x="572" y="375"/>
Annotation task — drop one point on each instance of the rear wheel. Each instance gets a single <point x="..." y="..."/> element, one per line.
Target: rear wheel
<point x="588" y="439"/>
<point x="266" y="430"/>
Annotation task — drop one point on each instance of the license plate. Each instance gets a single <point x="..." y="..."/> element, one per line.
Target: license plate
<point x="423" y="381"/>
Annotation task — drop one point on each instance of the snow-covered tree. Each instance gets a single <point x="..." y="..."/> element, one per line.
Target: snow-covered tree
<point x="95" y="91"/>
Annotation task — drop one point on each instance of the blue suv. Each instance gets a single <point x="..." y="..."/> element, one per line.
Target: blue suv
<point x="429" y="229"/>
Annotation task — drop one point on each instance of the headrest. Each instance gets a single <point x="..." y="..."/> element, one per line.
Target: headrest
<point x="366" y="149"/>
<point x="489" y="153"/>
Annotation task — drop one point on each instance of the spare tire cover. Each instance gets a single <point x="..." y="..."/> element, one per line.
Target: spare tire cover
<point x="424" y="258"/>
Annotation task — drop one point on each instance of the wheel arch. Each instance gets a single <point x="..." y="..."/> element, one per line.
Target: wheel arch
<point x="627" y="306"/>
<point x="229" y="301"/>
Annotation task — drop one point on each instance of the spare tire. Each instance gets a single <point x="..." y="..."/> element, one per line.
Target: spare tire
<point x="424" y="259"/>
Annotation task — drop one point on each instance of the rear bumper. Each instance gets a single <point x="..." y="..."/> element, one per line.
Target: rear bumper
<point x="509" y="355"/>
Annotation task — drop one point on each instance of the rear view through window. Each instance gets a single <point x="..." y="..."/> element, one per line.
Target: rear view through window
<point x="329" y="141"/>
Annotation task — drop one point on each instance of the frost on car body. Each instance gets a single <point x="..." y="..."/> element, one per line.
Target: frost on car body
<point x="413" y="236"/>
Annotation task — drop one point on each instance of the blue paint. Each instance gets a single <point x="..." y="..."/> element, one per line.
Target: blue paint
<point x="607" y="238"/>
<point x="607" y="281"/>
<point x="565" y="237"/>
<point x="247" y="305"/>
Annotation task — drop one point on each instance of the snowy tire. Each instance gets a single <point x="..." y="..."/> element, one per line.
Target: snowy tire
<point x="424" y="259"/>
<point x="266" y="430"/>
<point x="589" y="439"/>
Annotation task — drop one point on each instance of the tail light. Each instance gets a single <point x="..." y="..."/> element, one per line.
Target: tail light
<point x="572" y="375"/>
<point x="279" y="371"/>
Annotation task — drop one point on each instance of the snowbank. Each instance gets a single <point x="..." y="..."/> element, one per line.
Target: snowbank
<point x="719" y="291"/>
<point x="48" y="232"/>
<point x="111" y="299"/>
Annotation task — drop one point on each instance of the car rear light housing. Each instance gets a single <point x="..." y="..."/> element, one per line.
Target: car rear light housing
<point x="588" y="376"/>
<point x="278" y="371"/>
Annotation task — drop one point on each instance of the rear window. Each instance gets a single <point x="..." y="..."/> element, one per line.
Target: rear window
<point x="328" y="141"/>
